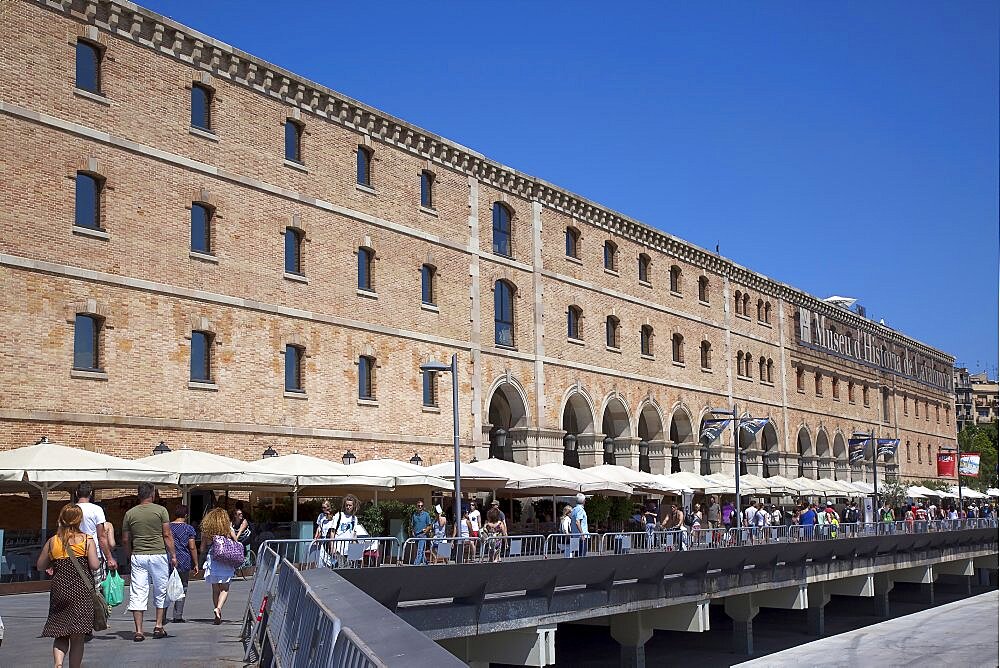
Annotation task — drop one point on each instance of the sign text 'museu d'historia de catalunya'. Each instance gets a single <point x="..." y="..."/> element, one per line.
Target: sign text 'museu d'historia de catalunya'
<point x="859" y="345"/>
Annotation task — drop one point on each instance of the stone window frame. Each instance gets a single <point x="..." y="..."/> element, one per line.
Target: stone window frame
<point x="677" y="348"/>
<point x="647" y="336"/>
<point x="428" y="181"/>
<point x="210" y="202"/>
<point x="645" y="269"/>
<point x="295" y="121"/>
<point x="514" y="294"/>
<point x="574" y="322"/>
<point x="93" y="37"/>
<point x="676" y="277"/>
<point x="370" y="354"/>
<point x="574" y="235"/>
<point x="704" y="289"/>
<point x="101" y="313"/>
<point x="610" y="252"/>
<point x="612" y="332"/>
<point x="502" y="205"/>
<point x="706" y="354"/>
<point x="202" y="324"/>
<point x="297" y="342"/>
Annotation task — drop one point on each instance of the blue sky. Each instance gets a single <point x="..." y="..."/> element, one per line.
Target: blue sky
<point x="845" y="148"/>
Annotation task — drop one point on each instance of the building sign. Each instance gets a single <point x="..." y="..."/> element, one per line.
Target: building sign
<point x="946" y="465"/>
<point x="860" y="346"/>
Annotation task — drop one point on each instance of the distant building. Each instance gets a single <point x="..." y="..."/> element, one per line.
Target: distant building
<point x="984" y="396"/>
<point x="964" y="413"/>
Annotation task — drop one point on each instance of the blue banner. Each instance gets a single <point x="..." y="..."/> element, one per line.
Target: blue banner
<point x="887" y="446"/>
<point x="712" y="428"/>
<point x="753" y="425"/>
<point x="856" y="449"/>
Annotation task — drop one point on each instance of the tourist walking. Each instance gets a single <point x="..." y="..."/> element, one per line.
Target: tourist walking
<point x="420" y="527"/>
<point x="475" y="518"/>
<point x="727" y="514"/>
<point x="71" y="590"/>
<point x="492" y="533"/>
<point x="578" y="523"/>
<point x="149" y="547"/>
<point x="343" y="528"/>
<point x="439" y="530"/>
<point x="216" y="523"/>
<point x="95" y="525"/>
<point x="326" y="512"/>
<point x="713" y="514"/>
<point x="186" y="549"/>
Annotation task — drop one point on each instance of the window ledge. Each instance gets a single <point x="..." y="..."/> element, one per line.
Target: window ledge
<point x="431" y="409"/>
<point x="704" y="303"/>
<point x="747" y="379"/>
<point x="613" y="349"/>
<point x="764" y="382"/>
<point x="366" y="189"/>
<point x="837" y="399"/>
<point x="91" y="232"/>
<point x="430" y="211"/>
<point x="433" y="308"/>
<point x="295" y="394"/>
<point x="645" y="284"/>
<point x="296" y="165"/>
<point x="574" y="260"/>
<point x="90" y="95"/>
<point x="681" y="365"/>
<point x="743" y="317"/>
<point x="88" y="375"/>
<point x="575" y="342"/>
<point x="203" y="385"/>
<point x="613" y="272"/>
<point x="646" y="357"/>
<point x="676" y="294"/>
<point x="368" y="294"/>
<point x="764" y="324"/>
<point x="501" y="346"/>
<point x="205" y="134"/>
<point x="298" y="278"/>
<point x="204" y="257"/>
<point x="706" y="369"/>
<point x="800" y="392"/>
<point x="368" y="402"/>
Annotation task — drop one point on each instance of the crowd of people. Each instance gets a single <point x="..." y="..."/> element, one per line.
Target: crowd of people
<point x="156" y="545"/>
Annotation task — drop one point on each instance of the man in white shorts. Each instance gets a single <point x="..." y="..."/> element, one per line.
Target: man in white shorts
<point x="148" y="542"/>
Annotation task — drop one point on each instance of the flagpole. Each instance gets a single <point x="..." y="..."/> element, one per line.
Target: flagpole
<point x="958" y="471"/>
<point x="736" y="452"/>
<point x="874" y="440"/>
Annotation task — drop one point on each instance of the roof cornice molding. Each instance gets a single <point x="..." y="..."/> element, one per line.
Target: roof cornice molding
<point x="163" y="35"/>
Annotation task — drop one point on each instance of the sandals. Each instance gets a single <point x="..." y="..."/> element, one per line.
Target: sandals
<point x="159" y="632"/>
<point x="218" y="616"/>
<point x="138" y="637"/>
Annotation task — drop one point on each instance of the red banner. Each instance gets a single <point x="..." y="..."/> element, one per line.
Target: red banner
<point x="946" y="465"/>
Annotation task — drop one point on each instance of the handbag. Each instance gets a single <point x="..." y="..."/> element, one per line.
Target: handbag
<point x="226" y="551"/>
<point x="101" y="608"/>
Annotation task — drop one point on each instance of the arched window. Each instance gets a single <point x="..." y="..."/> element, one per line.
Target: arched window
<point x="885" y="405"/>
<point x="428" y="280"/>
<point x="739" y="363"/>
<point x="430" y="383"/>
<point x="928" y="453"/>
<point x="574" y="323"/>
<point x="201" y="107"/>
<point x="89" y="188"/>
<point x="767" y="313"/>
<point x="426" y="189"/>
<point x="366" y="377"/>
<point x="612" y="332"/>
<point x="850" y="391"/>
<point x="364" y="166"/>
<point x="760" y="310"/>
<point x="746" y="304"/>
<point x="864" y="396"/>
<point x="610" y="256"/>
<point x="365" y="257"/>
<point x="706" y="355"/>
<point x="762" y="369"/>
<point x="675" y="279"/>
<point x="677" y="347"/>
<point x="748" y="367"/>
<point x="501" y="230"/>
<point x="503" y="313"/>
<point x="644" y="265"/>
<point x="916" y="408"/>
<point x="703" y="289"/>
<point x="835" y="388"/>
<point x="201" y="357"/>
<point x="920" y="458"/>
<point x="201" y="228"/>
<point x="293" y="251"/>
<point x="293" y="368"/>
<point x="87" y="342"/>
<point x="293" y="141"/>
<point x="819" y="384"/>
<point x="770" y="370"/>
<point x="738" y="302"/>
<point x="906" y="405"/>
<point x="572" y="242"/>
<point x="646" y="340"/>
<point x="800" y="379"/>
<point x="88" y="66"/>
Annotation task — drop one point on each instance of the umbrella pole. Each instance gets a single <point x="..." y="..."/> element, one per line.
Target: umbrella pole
<point x="45" y="512"/>
<point x="376" y="497"/>
<point x="295" y="504"/>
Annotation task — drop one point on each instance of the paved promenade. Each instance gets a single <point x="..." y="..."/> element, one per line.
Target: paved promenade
<point x="963" y="633"/>
<point x="196" y="643"/>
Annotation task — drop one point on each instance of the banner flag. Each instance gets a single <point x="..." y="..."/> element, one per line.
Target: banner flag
<point x="753" y="426"/>
<point x="887" y="446"/>
<point x="712" y="428"/>
<point x="968" y="464"/>
<point x="856" y="447"/>
<point x="946" y="465"/>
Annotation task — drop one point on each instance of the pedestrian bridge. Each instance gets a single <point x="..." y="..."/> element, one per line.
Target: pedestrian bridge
<point x="633" y="583"/>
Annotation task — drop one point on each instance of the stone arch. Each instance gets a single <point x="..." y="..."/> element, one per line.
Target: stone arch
<point x="577" y="421"/>
<point x="807" y="463"/>
<point x="769" y="444"/>
<point x="507" y="416"/>
<point x="822" y="443"/>
<point x="616" y="427"/>
<point x="649" y="429"/>
<point x="841" y="467"/>
<point x="681" y="436"/>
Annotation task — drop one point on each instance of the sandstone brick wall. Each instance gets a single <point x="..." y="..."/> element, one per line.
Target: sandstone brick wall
<point x="153" y="292"/>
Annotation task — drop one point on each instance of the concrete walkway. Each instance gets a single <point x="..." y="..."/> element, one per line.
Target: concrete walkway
<point x="196" y="643"/>
<point x="963" y="633"/>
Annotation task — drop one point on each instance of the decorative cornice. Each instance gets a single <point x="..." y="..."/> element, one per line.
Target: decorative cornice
<point x="163" y="35"/>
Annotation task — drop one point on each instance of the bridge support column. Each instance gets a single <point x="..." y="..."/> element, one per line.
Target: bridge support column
<point x="960" y="570"/>
<point x="883" y="585"/>
<point x="785" y="598"/>
<point x="862" y="585"/>
<point x="521" y="647"/>
<point x="815" y="615"/>
<point x="632" y="631"/>
<point x="922" y="575"/>
<point x="742" y="609"/>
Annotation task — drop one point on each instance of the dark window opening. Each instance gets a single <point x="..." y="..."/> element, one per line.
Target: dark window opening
<point x="293" y="141"/>
<point x="501" y="230"/>
<point x="86" y="343"/>
<point x="201" y="228"/>
<point x="88" y="67"/>
<point x="293" y="368"/>
<point x="201" y="107"/>
<point x="293" y="251"/>
<point x="88" y="201"/>
<point x="201" y="357"/>
<point x="366" y="377"/>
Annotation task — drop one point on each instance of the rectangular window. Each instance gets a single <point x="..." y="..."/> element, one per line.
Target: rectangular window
<point x="427" y="284"/>
<point x="88" y="201"/>
<point x="293" y="251"/>
<point x="293" y="141"/>
<point x="430" y="389"/>
<point x="88" y="67"/>
<point x="201" y="357"/>
<point x="364" y="167"/>
<point x="426" y="190"/>
<point x="201" y="223"/>
<point x="293" y="369"/>
<point x="366" y="377"/>
<point x="86" y="343"/>
<point x="201" y="107"/>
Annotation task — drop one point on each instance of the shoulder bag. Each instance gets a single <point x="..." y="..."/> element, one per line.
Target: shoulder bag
<point x="226" y="551"/>
<point x="101" y="608"/>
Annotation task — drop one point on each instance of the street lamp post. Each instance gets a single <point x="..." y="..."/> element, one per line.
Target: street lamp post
<point x="736" y="456"/>
<point x="433" y="366"/>
<point x="870" y="436"/>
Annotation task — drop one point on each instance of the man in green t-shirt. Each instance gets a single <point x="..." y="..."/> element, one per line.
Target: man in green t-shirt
<point x="147" y="540"/>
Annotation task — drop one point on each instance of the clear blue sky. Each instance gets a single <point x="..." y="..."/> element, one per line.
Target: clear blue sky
<point x="845" y="148"/>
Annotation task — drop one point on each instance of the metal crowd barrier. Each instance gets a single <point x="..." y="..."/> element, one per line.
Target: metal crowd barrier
<point x="572" y="545"/>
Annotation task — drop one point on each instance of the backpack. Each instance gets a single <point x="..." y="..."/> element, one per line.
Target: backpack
<point x="851" y="515"/>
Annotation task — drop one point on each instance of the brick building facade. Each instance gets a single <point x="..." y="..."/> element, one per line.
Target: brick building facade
<point x="202" y="248"/>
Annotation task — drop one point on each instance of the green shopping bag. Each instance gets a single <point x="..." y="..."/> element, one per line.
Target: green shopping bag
<point x="114" y="589"/>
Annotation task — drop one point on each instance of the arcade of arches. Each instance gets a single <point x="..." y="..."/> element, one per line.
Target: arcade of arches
<point x="653" y="439"/>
